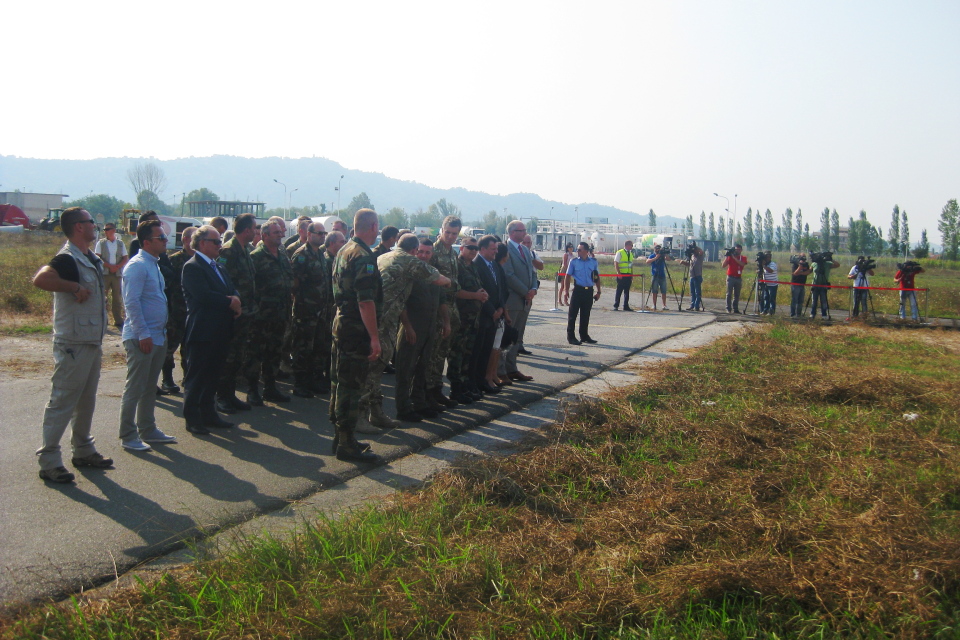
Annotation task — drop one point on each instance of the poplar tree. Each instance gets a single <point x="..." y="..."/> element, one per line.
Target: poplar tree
<point x="721" y="230"/>
<point x="949" y="227"/>
<point x="825" y="229"/>
<point x="894" y="236"/>
<point x="923" y="249"/>
<point x="713" y="227"/>
<point x="835" y="230"/>
<point x="652" y="220"/>
<point x="904" y="233"/>
<point x="787" y="221"/>
<point x="747" y="228"/>
<point x="758" y="230"/>
<point x="703" y="224"/>
<point x="768" y="231"/>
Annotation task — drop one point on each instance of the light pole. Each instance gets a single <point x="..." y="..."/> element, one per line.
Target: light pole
<point x="284" y="196"/>
<point x="290" y="199"/>
<point x="337" y="189"/>
<point x="728" y="214"/>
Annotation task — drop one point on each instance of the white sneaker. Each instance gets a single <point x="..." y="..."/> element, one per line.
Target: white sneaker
<point x="135" y="445"/>
<point x="158" y="437"/>
<point x="364" y="426"/>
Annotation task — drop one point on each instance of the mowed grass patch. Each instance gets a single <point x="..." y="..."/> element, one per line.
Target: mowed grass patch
<point x="768" y="486"/>
<point x="21" y="256"/>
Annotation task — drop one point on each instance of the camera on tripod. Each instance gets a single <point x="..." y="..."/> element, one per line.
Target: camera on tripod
<point x="691" y="249"/>
<point x="863" y="265"/>
<point x="821" y="257"/>
<point x="763" y="257"/>
<point x="909" y="267"/>
<point x="662" y="252"/>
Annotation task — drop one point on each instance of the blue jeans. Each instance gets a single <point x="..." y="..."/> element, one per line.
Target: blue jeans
<point x="696" y="292"/>
<point x="797" y="293"/>
<point x="770" y="299"/>
<point x="819" y="293"/>
<point x="911" y="297"/>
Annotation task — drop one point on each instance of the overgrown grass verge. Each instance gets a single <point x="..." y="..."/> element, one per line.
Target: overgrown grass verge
<point x="768" y="486"/>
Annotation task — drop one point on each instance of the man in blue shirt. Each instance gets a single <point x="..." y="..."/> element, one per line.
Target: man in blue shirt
<point x="143" y="335"/>
<point x="584" y="275"/>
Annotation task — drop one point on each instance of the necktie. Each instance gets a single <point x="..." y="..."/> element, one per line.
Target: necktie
<point x="493" y="271"/>
<point x="216" y="270"/>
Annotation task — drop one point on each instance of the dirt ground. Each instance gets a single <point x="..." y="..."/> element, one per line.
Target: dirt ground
<point x="31" y="355"/>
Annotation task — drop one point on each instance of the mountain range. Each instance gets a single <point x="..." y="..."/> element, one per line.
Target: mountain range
<point x="309" y="181"/>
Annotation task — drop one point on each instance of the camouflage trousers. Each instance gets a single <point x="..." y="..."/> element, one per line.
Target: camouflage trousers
<point x="266" y="346"/>
<point x="348" y="374"/>
<point x="441" y="348"/>
<point x="176" y="327"/>
<point x="388" y="343"/>
<point x="238" y="362"/>
<point x="307" y="362"/>
<point x="413" y="361"/>
<point x="458" y="369"/>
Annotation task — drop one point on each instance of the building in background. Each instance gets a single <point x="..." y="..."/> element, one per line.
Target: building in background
<point x="35" y="205"/>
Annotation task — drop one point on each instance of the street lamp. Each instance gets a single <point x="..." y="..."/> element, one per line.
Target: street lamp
<point x="290" y="199"/>
<point x="337" y="189"/>
<point x="728" y="214"/>
<point x="284" y="196"/>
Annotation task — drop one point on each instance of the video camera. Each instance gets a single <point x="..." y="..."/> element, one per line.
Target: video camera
<point x="661" y="252"/>
<point x="864" y="265"/>
<point x="730" y="252"/>
<point x="908" y="267"/>
<point x="799" y="260"/>
<point x="691" y="249"/>
<point x="821" y="257"/>
<point x="763" y="257"/>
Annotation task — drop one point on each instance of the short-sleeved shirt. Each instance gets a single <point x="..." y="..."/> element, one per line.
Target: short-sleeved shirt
<point x="861" y="279"/>
<point x="66" y="266"/>
<point x="111" y="252"/>
<point x="658" y="268"/>
<point x="821" y="272"/>
<point x="735" y="265"/>
<point x="906" y="279"/>
<point x="356" y="279"/>
<point x="581" y="271"/>
<point x="696" y="265"/>
<point x="771" y="278"/>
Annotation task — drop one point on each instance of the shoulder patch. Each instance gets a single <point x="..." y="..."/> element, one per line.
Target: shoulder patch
<point x="221" y="260"/>
<point x="371" y="268"/>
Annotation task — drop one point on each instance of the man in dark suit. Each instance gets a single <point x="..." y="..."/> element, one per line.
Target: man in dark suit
<point x="212" y="305"/>
<point x="490" y="313"/>
<point x="522" y="288"/>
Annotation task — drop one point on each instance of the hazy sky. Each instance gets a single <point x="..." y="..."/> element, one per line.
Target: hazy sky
<point x="636" y="104"/>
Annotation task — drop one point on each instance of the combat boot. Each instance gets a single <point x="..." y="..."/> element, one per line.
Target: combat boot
<point x="348" y="449"/>
<point x="272" y="394"/>
<point x="253" y="393"/>
<point x="301" y="387"/>
<point x="380" y="419"/>
<point x="436" y="396"/>
<point x="168" y="385"/>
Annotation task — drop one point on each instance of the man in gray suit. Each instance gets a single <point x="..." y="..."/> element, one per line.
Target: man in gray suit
<point x="522" y="286"/>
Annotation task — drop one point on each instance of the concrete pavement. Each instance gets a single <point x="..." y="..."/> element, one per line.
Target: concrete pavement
<point x="58" y="539"/>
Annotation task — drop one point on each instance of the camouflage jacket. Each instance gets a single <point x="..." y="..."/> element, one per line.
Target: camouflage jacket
<point x="311" y="281"/>
<point x="274" y="281"/>
<point x="398" y="271"/>
<point x="235" y="260"/>
<point x="356" y="279"/>
<point x="293" y="247"/>
<point x="445" y="260"/>
<point x="469" y="281"/>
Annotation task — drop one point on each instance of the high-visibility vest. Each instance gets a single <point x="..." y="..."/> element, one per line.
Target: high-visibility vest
<point x="624" y="262"/>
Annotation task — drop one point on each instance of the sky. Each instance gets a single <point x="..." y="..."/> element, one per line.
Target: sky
<point x="639" y="105"/>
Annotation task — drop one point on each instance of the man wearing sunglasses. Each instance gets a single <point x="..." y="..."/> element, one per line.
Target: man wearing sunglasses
<point x="144" y="335"/>
<point x="75" y="276"/>
<point x="212" y="305"/>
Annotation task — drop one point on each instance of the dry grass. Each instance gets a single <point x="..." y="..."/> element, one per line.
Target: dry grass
<point x="768" y="486"/>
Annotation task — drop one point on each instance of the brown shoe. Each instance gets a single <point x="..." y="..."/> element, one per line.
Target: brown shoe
<point x="505" y="381"/>
<point x="519" y="377"/>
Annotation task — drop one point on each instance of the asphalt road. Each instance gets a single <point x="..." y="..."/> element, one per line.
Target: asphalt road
<point x="58" y="539"/>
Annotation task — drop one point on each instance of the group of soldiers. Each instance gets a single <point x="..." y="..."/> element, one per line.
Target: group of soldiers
<point x="340" y="315"/>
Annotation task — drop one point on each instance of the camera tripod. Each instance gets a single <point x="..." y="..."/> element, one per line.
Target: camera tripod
<point x="758" y="286"/>
<point x="855" y="302"/>
<point x="826" y="301"/>
<point x="653" y="282"/>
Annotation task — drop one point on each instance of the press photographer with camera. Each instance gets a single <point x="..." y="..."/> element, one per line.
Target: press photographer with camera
<point x="734" y="261"/>
<point x="658" y="273"/>
<point x="801" y="269"/>
<point x="768" y="276"/>
<point x="694" y="260"/>
<point x="823" y="262"/>
<point x="906" y="272"/>
<point x="859" y="273"/>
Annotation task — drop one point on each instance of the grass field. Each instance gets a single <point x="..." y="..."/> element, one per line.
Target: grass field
<point x="942" y="278"/>
<point x="774" y="485"/>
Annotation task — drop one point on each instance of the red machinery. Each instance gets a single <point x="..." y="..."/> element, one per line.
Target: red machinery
<point x="11" y="215"/>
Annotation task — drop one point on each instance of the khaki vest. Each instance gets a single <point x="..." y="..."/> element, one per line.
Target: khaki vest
<point x="81" y="323"/>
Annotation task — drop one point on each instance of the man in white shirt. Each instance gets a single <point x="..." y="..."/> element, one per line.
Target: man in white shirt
<point x="114" y="256"/>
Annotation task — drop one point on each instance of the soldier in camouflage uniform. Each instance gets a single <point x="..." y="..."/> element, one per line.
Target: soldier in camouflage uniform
<point x="399" y="269"/>
<point x="235" y="260"/>
<point x="274" y="279"/>
<point x="358" y="293"/>
<point x="388" y="239"/>
<point x="334" y="243"/>
<point x="310" y="296"/>
<point x="469" y="300"/>
<point x="445" y="261"/>
<point x="177" y="312"/>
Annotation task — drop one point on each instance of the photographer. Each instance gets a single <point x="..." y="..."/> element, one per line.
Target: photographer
<point x="695" y="261"/>
<point x="797" y="280"/>
<point x="734" y="261"/>
<point x="822" y="264"/>
<point x="904" y="279"/>
<point x="768" y="304"/>
<point x="658" y="273"/>
<point x="858" y="273"/>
